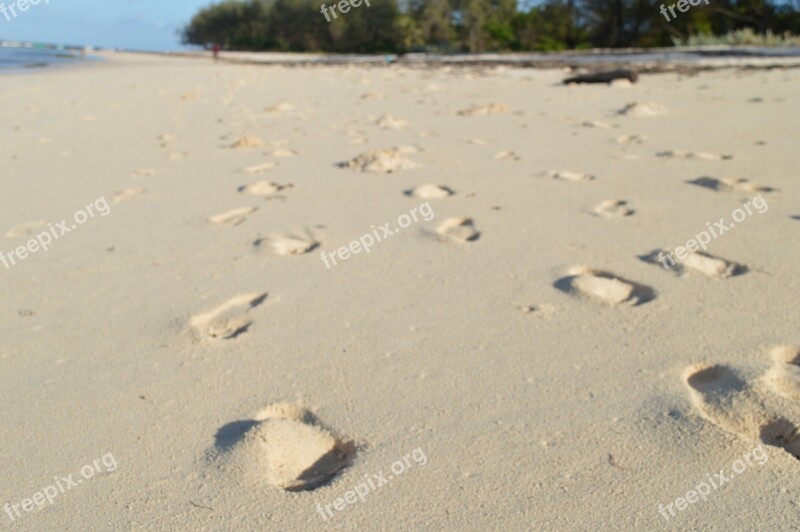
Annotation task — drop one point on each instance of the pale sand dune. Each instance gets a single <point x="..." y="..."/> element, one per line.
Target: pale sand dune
<point x="544" y="397"/>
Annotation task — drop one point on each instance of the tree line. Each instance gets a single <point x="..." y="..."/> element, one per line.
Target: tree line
<point x="400" y="26"/>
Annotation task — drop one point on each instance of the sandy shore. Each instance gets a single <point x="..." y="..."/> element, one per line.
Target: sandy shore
<point x="211" y="341"/>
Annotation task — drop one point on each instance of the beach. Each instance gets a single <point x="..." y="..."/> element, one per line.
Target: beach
<point x="208" y="311"/>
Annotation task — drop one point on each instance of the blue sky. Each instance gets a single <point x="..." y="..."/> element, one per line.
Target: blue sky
<point x="136" y="24"/>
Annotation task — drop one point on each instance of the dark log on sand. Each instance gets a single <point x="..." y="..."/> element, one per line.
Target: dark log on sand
<point x="604" y="77"/>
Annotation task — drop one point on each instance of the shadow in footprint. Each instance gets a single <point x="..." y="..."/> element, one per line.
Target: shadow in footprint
<point x="718" y="380"/>
<point x="782" y="433"/>
<point x="729" y="185"/>
<point x="325" y="468"/>
<point x="232" y="433"/>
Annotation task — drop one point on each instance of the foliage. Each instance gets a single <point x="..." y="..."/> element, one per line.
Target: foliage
<point x="384" y="26"/>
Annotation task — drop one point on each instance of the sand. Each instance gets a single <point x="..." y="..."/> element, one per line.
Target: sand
<point x="515" y="362"/>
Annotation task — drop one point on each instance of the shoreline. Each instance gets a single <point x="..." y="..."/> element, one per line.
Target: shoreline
<point x="690" y="59"/>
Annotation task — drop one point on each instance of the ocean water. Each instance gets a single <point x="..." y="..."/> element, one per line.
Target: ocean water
<point x="12" y="59"/>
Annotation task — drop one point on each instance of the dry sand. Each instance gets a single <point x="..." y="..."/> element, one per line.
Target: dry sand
<point x="519" y="354"/>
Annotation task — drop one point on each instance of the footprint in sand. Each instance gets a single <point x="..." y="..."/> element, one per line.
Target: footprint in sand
<point x="613" y="209"/>
<point x="265" y="189"/>
<point x="387" y="121"/>
<point x="597" y="124"/>
<point x="408" y="149"/>
<point x="604" y="286"/>
<point x="479" y="142"/>
<point x="287" y="446"/>
<point x="247" y="142"/>
<point x="784" y="376"/>
<point x="373" y="96"/>
<point x="281" y="152"/>
<point x="227" y="321"/>
<point x="620" y="84"/>
<point x="128" y="193"/>
<point x="630" y="139"/>
<point x="458" y="230"/>
<point x="281" y="107"/>
<point x="506" y="155"/>
<point x="643" y="110"/>
<point x="429" y="191"/>
<point x="566" y="175"/>
<point x="384" y="161"/>
<point x="143" y="172"/>
<point x="166" y="140"/>
<point x="730" y="185"/>
<point x="176" y="156"/>
<point x="727" y="401"/>
<point x="232" y="217"/>
<point x="25" y="229"/>
<point x="696" y="261"/>
<point x="701" y="155"/>
<point x="484" y="110"/>
<point x="286" y="245"/>
<point x="540" y="311"/>
<point x="260" y="168"/>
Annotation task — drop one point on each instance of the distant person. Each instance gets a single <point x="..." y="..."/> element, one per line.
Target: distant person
<point x="215" y="48"/>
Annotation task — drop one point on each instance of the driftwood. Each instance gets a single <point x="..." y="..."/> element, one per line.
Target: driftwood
<point x="604" y="77"/>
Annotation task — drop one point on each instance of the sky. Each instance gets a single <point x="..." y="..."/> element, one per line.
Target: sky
<point x="132" y="24"/>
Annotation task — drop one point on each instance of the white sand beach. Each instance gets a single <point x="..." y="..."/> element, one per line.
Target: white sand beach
<point x="217" y="339"/>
